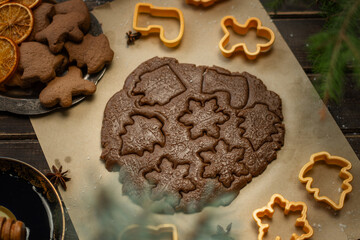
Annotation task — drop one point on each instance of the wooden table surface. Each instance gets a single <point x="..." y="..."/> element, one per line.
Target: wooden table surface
<point x="296" y="22"/>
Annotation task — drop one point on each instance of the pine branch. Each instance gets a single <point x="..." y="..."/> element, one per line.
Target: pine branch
<point x="337" y="47"/>
<point x="332" y="51"/>
<point x="275" y="5"/>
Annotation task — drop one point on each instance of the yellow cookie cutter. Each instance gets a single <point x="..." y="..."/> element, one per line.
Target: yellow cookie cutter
<point x="204" y="3"/>
<point x="169" y="12"/>
<point x="344" y="174"/>
<point x="153" y="231"/>
<point x="230" y="21"/>
<point x="287" y="206"/>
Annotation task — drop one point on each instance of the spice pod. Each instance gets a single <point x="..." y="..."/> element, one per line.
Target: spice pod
<point x="11" y="229"/>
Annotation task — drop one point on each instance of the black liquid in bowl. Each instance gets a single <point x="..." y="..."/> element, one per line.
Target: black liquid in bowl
<point x="32" y="199"/>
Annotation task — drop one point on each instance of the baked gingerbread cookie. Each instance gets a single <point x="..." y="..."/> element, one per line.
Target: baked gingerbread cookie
<point x="62" y="89"/>
<point x="38" y="63"/>
<point x="184" y="137"/>
<point x="15" y="81"/>
<point x="78" y="6"/>
<point x="43" y="15"/>
<point x="63" y="27"/>
<point x="93" y="52"/>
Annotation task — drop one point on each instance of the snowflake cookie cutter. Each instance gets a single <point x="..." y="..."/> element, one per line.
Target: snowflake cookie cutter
<point x="344" y="174"/>
<point x="204" y="3"/>
<point x="287" y="206"/>
<point x="242" y="29"/>
<point x="152" y="231"/>
<point x="168" y="12"/>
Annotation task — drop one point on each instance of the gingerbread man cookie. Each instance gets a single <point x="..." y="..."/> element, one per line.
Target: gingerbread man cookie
<point x="61" y="89"/>
<point x="78" y="6"/>
<point x="94" y="52"/>
<point x="38" y="63"/>
<point x="15" y="81"/>
<point x="63" y="27"/>
<point x="42" y="18"/>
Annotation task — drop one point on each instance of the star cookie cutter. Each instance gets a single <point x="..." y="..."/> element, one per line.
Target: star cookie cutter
<point x="344" y="174"/>
<point x="204" y="3"/>
<point x="230" y="21"/>
<point x="168" y="12"/>
<point x="287" y="206"/>
<point x="152" y="231"/>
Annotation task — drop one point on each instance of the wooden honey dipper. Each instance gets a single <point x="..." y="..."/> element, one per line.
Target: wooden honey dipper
<point x="11" y="229"/>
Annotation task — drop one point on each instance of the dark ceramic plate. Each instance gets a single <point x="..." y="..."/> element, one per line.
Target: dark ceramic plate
<point x="26" y="102"/>
<point x="30" y="196"/>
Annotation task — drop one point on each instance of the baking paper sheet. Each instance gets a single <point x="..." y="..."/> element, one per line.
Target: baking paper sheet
<point x="72" y="137"/>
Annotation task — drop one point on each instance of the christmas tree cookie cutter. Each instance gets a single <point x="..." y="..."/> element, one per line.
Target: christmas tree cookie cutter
<point x="168" y="12"/>
<point x="242" y="29"/>
<point x="344" y="174"/>
<point x="287" y="206"/>
<point x="204" y="3"/>
<point x="151" y="231"/>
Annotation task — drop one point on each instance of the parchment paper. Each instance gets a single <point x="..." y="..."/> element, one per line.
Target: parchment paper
<point x="72" y="137"/>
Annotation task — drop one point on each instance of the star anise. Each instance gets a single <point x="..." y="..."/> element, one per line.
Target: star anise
<point x="221" y="234"/>
<point x="58" y="176"/>
<point x="132" y="37"/>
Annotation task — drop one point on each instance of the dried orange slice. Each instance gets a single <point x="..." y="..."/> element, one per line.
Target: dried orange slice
<point x="28" y="3"/>
<point x="16" y="21"/>
<point x="3" y="1"/>
<point x="9" y="58"/>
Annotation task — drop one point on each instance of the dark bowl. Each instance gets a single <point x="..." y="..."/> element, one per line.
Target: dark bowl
<point x="31" y="197"/>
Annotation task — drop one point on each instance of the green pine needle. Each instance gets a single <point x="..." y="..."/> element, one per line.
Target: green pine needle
<point x="275" y="5"/>
<point x="336" y="49"/>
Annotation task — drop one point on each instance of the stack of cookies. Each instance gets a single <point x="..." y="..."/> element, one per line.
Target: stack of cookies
<point x="57" y="52"/>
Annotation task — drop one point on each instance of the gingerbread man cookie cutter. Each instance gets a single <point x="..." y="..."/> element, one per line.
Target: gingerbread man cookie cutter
<point x="242" y="29"/>
<point x="204" y="3"/>
<point x="168" y="12"/>
<point x="344" y="174"/>
<point x="152" y="231"/>
<point x="287" y="206"/>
